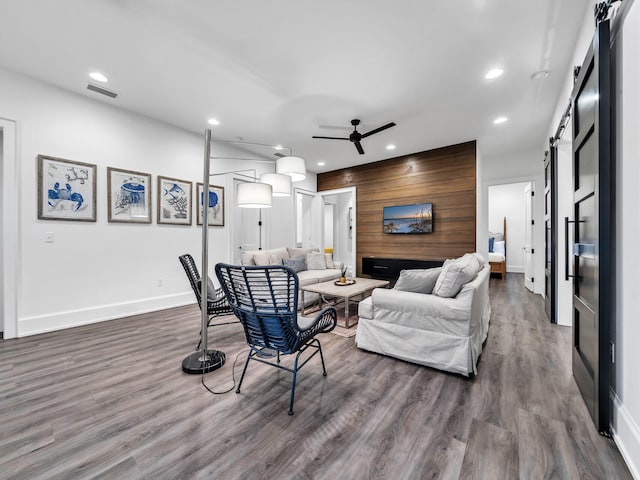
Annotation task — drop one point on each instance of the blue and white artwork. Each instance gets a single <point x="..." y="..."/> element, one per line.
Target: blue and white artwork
<point x="66" y="190"/>
<point x="129" y="196"/>
<point x="216" y="205"/>
<point x="174" y="201"/>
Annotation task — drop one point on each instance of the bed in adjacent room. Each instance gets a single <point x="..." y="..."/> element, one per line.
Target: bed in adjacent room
<point x="498" y="251"/>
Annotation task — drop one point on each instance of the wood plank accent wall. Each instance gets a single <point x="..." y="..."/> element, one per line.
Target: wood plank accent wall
<point x="445" y="177"/>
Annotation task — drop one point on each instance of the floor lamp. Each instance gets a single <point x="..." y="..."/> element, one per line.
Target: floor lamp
<point x="250" y="195"/>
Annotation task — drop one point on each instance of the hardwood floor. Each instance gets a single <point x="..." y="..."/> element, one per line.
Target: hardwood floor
<point x="109" y="401"/>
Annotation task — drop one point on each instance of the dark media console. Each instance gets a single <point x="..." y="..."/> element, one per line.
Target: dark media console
<point x="389" y="268"/>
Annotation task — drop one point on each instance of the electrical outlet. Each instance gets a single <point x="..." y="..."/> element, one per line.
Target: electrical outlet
<point x="48" y="237"/>
<point x="159" y="282"/>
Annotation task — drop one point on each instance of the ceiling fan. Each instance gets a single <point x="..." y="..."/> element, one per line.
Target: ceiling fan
<point x="356" y="136"/>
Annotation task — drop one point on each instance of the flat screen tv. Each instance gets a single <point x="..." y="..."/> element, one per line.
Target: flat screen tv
<point x="416" y="218"/>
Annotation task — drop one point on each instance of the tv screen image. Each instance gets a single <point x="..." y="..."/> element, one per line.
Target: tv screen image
<point x="416" y="218"/>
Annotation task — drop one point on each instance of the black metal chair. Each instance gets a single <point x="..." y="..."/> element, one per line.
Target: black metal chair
<point x="217" y="304"/>
<point x="265" y="299"/>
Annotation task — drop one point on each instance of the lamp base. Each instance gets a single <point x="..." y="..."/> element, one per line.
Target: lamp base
<point x="196" y="364"/>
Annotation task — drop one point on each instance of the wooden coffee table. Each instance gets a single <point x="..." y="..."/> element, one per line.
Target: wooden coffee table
<point x="360" y="288"/>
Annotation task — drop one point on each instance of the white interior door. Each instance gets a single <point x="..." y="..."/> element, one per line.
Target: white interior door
<point x="528" y="236"/>
<point x="247" y="231"/>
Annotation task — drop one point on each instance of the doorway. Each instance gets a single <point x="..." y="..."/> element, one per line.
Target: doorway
<point x="9" y="229"/>
<point x="327" y="220"/>
<point x="509" y="201"/>
<point x="250" y="227"/>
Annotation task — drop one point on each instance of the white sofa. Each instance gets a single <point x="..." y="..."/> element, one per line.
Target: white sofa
<point x="315" y="274"/>
<point x="427" y="329"/>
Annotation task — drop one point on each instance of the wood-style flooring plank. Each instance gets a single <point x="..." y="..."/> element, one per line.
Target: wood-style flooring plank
<point x="112" y="402"/>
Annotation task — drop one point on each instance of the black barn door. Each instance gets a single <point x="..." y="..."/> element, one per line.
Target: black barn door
<point x="592" y="229"/>
<point x="550" y="235"/>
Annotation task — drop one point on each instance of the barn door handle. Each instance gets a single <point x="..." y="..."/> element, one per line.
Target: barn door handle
<point x="566" y="247"/>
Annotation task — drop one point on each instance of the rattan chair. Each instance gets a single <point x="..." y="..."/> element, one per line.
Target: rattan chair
<point x="265" y="299"/>
<point x="217" y="304"/>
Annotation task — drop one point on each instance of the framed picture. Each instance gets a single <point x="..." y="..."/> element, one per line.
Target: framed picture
<point x="66" y="189"/>
<point x="216" y="205"/>
<point x="128" y="196"/>
<point x="174" y="201"/>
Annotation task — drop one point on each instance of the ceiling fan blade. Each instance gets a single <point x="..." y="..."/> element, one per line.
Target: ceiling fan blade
<point x="359" y="148"/>
<point x="379" y="129"/>
<point x="331" y="138"/>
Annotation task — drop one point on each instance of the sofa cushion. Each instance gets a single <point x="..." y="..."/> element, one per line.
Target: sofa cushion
<point x="328" y="274"/>
<point x="297" y="264"/>
<point x="316" y="261"/>
<point x="297" y="251"/>
<point x="455" y="274"/>
<point x="418" y="280"/>
<point x="307" y="277"/>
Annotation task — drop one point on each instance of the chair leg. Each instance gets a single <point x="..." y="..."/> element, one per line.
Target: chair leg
<point x="293" y="383"/>
<point x="324" y="370"/>
<point x="244" y="370"/>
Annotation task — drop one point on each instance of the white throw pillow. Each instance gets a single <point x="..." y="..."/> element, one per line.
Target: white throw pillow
<point x="418" y="280"/>
<point x="498" y="247"/>
<point x="328" y="260"/>
<point x="455" y="274"/>
<point x="262" y="258"/>
<point x="316" y="261"/>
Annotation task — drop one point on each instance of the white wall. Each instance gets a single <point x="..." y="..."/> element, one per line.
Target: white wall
<point x="514" y="167"/>
<point x="97" y="271"/>
<point x="626" y="388"/>
<point x="508" y="201"/>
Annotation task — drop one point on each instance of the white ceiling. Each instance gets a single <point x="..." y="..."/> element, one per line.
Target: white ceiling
<point x="280" y="71"/>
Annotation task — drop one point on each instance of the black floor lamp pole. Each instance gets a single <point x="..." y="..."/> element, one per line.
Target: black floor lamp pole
<point x="205" y="360"/>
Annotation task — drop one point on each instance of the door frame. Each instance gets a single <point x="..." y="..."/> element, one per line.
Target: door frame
<point x="483" y="235"/>
<point x="10" y="226"/>
<point x="529" y="203"/>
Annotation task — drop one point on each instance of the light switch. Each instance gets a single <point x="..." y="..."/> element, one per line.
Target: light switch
<point x="48" y="237"/>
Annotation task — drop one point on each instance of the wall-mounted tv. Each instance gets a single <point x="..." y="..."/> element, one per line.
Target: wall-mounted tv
<point x="416" y="218"/>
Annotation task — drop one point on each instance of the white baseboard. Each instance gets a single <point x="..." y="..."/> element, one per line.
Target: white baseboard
<point x="626" y="434"/>
<point x="515" y="269"/>
<point x="74" y="318"/>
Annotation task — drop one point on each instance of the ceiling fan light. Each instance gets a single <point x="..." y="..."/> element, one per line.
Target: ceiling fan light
<point x="280" y="184"/>
<point x="254" y="195"/>
<point x="292" y="166"/>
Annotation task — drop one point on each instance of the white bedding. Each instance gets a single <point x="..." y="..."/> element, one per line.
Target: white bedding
<point x="496" y="257"/>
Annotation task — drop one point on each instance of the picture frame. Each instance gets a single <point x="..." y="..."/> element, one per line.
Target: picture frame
<point x="66" y="189"/>
<point x="216" y="205"/>
<point x="128" y="196"/>
<point x="174" y="201"/>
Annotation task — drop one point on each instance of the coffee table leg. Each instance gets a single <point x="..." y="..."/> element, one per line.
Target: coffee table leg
<point x="346" y="312"/>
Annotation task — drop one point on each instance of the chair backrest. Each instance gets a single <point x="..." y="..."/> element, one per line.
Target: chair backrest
<point x="265" y="300"/>
<point x="191" y="270"/>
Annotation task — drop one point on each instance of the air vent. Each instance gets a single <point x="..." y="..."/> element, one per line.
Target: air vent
<point x="279" y="155"/>
<point x="102" y="91"/>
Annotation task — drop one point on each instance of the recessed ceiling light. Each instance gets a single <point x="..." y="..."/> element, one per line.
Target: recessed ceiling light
<point x="493" y="73"/>
<point x="391" y="147"/>
<point x="278" y="147"/>
<point x="213" y="121"/>
<point x="500" y="120"/>
<point x="98" y="77"/>
<point x="321" y="164"/>
<point x="540" y="75"/>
